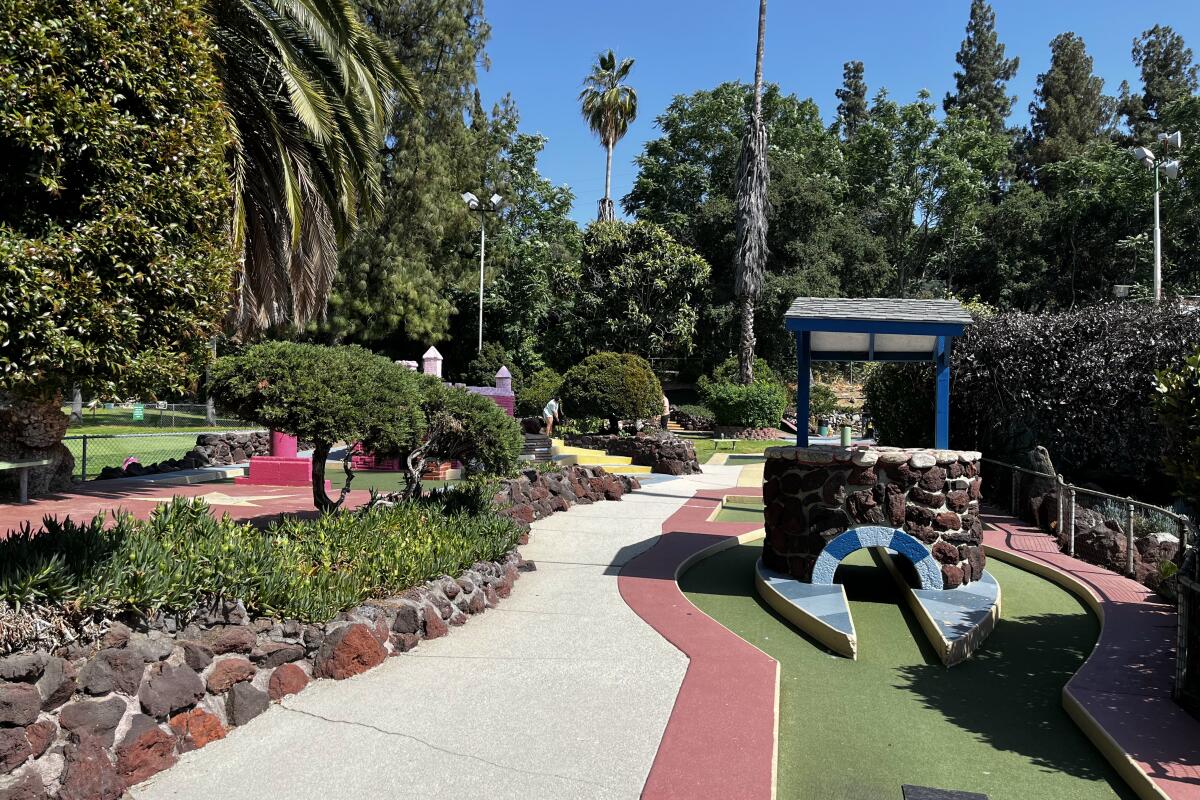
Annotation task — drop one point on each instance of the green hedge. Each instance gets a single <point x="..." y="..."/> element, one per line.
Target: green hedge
<point x="182" y="556"/>
<point x="612" y="386"/>
<point x="758" y="405"/>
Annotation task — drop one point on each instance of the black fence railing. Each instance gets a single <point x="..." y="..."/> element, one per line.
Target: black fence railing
<point x="95" y="451"/>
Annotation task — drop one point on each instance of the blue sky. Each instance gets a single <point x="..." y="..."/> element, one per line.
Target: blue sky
<point x="541" y="49"/>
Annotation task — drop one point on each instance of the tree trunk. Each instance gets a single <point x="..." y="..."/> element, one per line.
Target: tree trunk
<point x="320" y="499"/>
<point x="746" y="348"/>
<point x="31" y="429"/>
<point x="606" y="212"/>
<point x="77" y="405"/>
<point x="415" y="464"/>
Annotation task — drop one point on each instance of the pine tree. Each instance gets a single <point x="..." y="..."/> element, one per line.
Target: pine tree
<point x="1168" y="74"/>
<point x="397" y="278"/>
<point x="852" y="99"/>
<point x="1071" y="109"/>
<point x="982" y="82"/>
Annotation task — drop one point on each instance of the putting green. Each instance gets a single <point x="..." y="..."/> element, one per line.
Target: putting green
<point x="857" y="730"/>
<point x="738" y="513"/>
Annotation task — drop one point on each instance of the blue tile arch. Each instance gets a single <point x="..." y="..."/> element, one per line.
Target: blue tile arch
<point x="893" y="539"/>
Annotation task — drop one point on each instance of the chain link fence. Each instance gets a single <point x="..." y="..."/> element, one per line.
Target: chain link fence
<point x="148" y="416"/>
<point x="94" y="452"/>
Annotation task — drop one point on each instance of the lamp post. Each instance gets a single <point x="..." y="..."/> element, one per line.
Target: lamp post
<point x="1171" y="170"/>
<point x="474" y="204"/>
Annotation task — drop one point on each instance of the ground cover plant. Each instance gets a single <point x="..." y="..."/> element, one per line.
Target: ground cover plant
<point x="182" y="558"/>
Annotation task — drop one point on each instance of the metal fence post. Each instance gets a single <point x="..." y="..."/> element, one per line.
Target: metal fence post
<point x="1016" y="489"/>
<point x="1129" y="536"/>
<point x="1058" y="493"/>
<point x="1071" y="522"/>
<point x="83" y="457"/>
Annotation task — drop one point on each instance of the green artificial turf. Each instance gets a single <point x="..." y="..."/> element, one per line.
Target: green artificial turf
<point x="706" y="447"/>
<point x="857" y="730"/>
<point x="379" y="481"/>
<point x="740" y="514"/>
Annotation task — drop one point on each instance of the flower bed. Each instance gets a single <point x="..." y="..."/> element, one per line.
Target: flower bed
<point x="128" y="647"/>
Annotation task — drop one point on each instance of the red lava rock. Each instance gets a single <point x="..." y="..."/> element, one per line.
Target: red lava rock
<point x="957" y="501"/>
<point x="947" y="520"/>
<point x="272" y="654"/>
<point x="285" y="680"/>
<point x="382" y="634"/>
<point x="227" y="672"/>
<point x="196" y="728"/>
<point x="945" y="553"/>
<point x="27" y="786"/>
<point x="117" y="636"/>
<point x="523" y="538"/>
<point x="476" y="604"/>
<point x="458" y="618"/>
<point x="40" y="734"/>
<point x="14" y="748"/>
<point x="434" y="626"/>
<point x="231" y="639"/>
<point x="19" y="703"/>
<point x="504" y="587"/>
<point x="348" y="651"/>
<point x="952" y="576"/>
<point x="403" y="642"/>
<point x="491" y="597"/>
<point x="408" y="618"/>
<point x="112" y="670"/>
<point x="89" y="775"/>
<point x="244" y="703"/>
<point x="168" y="688"/>
<point x="94" y="719"/>
<point x="146" y="750"/>
<point x="197" y="655"/>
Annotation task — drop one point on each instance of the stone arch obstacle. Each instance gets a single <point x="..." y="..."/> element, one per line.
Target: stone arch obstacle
<point x="928" y="570"/>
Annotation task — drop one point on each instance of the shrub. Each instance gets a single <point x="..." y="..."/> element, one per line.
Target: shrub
<point x="324" y="395"/>
<point x="759" y="405"/>
<point x="612" y="386"/>
<point x="481" y="371"/>
<point x="699" y="416"/>
<point x="728" y="372"/>
<point x="182" y="558"/>
<point x="1178" y="405"/>
<point x="899" y="398"/>
<point x="822" y="402"/>
<point x="542" y="385"/>
<point x="464" y="427"/>
<point x="115" y="255"/>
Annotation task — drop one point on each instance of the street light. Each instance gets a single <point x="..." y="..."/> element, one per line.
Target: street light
<point x="474" y="204"/>
<point x="1171" y="170"/>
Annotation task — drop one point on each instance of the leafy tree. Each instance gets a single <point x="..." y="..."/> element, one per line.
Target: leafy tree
<point x="852" y="99"/>
<point x="537" y="392"/>
<point x="115" y="262"/>
<point x="612" y="386"/>
<point x="753" y="178"/>
<point x="609" y="105"/>
<point x="981" y="82"/>
<point x="638" y="290"/>
<point x="1070" y="110"/>
<point x="308" y="88"/>
<point x="325" y="395"/>
<point x="397" y="278"/>
<point x="463" y="427"/>
<point x="1168" y="74"/>
<point x="1178" y="404"/>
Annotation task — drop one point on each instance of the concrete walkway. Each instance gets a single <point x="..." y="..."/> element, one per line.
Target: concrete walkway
<point x="562" y="691"/>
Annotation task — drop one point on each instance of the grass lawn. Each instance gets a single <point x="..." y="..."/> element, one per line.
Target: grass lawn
<point x="857" y="730"/>
<point x="104" y="452"/>
<point x="706" y="447"/>
<point x="120" y="420"/>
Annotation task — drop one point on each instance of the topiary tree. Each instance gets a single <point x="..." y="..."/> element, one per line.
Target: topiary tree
<point x="464" y="427"/>
<point x="481" y="371"/>
<point x="115" y="255"/>
<point x="325" y="395"/>
<point x="612" y="386"/>
<point x="542" y="385"/>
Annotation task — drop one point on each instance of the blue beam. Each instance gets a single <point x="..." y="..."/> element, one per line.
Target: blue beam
<point x="803" y="343"/>
<point x="795" y="324"/>
<point x="941" y="424"/>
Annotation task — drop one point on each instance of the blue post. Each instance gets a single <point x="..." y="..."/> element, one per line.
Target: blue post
<point x="941" y="425"/>
<point x="803" y="341"/>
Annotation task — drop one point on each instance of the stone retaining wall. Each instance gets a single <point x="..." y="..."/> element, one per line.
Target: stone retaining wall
<point x="90" y="719"/>
<point x="813" y="494"/>
<point x="663" y="452"/>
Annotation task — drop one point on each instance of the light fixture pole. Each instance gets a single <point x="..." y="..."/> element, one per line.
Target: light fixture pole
<point x="1171" y="170"/>
<point x="474" y="204"/>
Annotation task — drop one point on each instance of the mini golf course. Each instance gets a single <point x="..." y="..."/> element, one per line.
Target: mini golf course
<point x="857" y="730"/>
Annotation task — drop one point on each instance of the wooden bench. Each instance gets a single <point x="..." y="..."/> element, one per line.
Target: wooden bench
<point x="721" y="440"/>
<point x="23" y="468"/>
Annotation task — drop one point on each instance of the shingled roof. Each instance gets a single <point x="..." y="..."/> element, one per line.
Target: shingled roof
<point x="880" y="309"/>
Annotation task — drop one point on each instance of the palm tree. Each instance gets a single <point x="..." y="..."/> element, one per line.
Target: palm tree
<point x="608" y="106"/>
<point x="750" y="257"/>
<point x="308" y="89"/>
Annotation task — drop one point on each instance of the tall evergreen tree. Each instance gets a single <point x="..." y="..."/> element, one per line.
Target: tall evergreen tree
<point x="1168" y="74"/>
<point x="1070" y="109"/>
<point x="397" y="278"/>
<point x="982" y="81"/>
<point x="852" y="99"/>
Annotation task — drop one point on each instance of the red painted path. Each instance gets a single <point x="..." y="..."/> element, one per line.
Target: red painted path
<point x="1126" y="682"/>
<point x="720" y="738"/>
